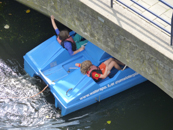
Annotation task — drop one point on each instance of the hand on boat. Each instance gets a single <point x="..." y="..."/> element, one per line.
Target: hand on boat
<point x="78" y="64"/>
<point x="82" y="48"/>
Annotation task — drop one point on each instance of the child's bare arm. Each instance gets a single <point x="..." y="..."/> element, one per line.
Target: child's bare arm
<point x="78" y="64"/>
<point x="53" y="22"/>
<point x="105" y="73"/>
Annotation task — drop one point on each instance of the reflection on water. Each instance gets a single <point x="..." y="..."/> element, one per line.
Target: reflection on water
<point x="143" y="107"/>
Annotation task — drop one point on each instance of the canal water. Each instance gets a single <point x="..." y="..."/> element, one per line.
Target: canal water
<point x="143" y="107"/>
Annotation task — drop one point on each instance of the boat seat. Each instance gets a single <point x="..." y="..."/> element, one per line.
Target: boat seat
<point x="113" y="72"/>
<point x="97" y="54"/>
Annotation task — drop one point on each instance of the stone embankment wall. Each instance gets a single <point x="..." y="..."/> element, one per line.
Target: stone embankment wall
<point x="105" y="27"/>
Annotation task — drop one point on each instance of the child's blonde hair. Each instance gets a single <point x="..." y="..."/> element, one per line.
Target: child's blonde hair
<point x="85" y="66"/>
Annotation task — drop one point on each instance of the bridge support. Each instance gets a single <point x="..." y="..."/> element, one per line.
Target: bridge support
<point x="121" y="33"/>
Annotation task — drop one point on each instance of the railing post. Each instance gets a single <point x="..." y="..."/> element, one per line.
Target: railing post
<point x="172" y="30"/>
<point x="111" y="3"/>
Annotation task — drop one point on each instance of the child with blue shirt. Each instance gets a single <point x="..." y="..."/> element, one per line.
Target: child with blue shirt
<point x="73" y="45"/>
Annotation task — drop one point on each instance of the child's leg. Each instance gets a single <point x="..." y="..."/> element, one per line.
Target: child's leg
<point x="113" y="64"/>
<point x="108" y="61"/>
<point x="77" y="38"/>
<point x="112" y="59"/>
<point x="119" y="62"/>
<point x="79" y="44"/>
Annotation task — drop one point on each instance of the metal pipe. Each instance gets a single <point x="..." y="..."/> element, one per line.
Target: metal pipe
<point x="111" y="3"/>
<point x="172" y="31"/>
<point x="151" y="12"/>
<point x="166" y="3"/>
<point x="143" y="16"/>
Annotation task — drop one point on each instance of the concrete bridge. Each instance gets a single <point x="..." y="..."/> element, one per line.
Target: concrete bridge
<point x="120" y="32"/>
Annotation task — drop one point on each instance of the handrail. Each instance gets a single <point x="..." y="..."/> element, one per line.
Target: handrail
<point x="143" y="16"/>
<point x="172" y="31"/>
<point x="166" y="3"/>
<point x="151" y="12"/>
<point x="111" y="3"/>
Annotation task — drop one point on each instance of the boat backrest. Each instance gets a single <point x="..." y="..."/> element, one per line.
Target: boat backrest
<point x="96" y="53"/>
<point x="41" y="55"/>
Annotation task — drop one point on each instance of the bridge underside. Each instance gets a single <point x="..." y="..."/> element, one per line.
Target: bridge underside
<point x="121" y="33"/>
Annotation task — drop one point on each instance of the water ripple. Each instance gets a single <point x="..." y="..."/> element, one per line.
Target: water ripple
<point x="17" y="112"/>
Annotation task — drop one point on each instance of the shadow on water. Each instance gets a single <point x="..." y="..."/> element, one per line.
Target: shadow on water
<point x="142" y="107"/>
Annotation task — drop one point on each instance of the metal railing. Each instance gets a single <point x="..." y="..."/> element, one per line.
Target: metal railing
<point x="111" y="3"/>
<point x="148" y="11"/>
<point x="166" y="3"/>
<point x="172" y="31"/>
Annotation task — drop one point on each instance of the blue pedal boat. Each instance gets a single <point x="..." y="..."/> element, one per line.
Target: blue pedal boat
<point x="71" y="89"/>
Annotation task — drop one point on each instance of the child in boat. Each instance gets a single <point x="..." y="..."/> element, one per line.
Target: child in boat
<point x="100" y="72"/>
<point x="73" y="45"/>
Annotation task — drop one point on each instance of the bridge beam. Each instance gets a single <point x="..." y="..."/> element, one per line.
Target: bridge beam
<point x="118" y="31"/>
